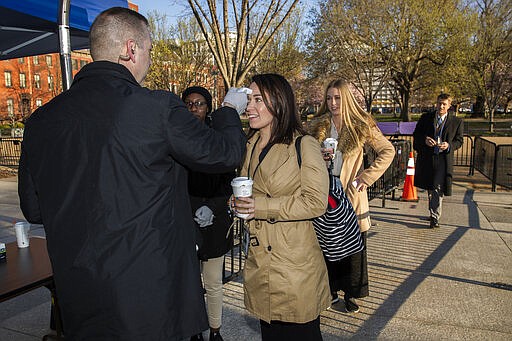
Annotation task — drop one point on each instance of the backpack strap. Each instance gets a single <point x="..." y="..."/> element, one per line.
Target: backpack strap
<point x="297" y="147"/>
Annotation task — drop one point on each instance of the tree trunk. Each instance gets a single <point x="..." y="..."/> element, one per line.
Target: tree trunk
<point x="491" y="120"/>
<point x="405" y="107"/>
<point x="479" y="107"/>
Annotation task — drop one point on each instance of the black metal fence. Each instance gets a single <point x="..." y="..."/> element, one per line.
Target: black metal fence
<point x="493" y="158"/>
<point x="462" y="157"/>
<point x="10" y="151"/>
<point x="394" y="176"/>
<point x="233" y="260"/>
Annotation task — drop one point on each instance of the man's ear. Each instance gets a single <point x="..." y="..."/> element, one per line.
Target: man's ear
<point x="130" y="51"/>
<point x="131" y="46"/>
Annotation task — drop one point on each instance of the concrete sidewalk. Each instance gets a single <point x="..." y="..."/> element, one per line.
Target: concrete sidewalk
<point x="452" y="283"/>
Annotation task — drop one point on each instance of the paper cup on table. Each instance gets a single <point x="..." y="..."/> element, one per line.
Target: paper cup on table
<point x="242" y="187"/>
<point x="22" y="233"/>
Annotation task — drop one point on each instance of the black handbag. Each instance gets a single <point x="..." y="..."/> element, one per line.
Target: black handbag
<point x="337" y="230"/>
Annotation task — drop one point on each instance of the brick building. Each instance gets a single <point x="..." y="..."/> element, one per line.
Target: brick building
<point x="29" y="82"/>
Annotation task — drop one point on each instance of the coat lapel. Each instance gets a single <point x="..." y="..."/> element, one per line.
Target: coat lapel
<point x="276" y="157"/>
<point x="447" y="125"/>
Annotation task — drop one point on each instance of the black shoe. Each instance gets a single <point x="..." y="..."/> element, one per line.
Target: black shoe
<point x="198" y="337"/>
<point x="434" y="223"/>
<point x="335" y="298"/>
<point x="215" y="336"/>
<point x="351" y="305"/>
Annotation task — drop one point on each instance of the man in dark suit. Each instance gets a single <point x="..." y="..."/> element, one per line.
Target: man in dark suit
<point x="436" y="137"/>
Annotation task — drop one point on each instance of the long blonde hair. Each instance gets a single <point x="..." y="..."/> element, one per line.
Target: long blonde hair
<point x="355" y="120"/>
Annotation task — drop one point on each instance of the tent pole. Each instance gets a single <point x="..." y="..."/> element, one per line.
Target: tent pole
<point x="65" y="44"/>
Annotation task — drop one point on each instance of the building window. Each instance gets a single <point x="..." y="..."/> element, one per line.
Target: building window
<point x="37" y="81"/>
<point x="49" y="60"/>
<point x="36" y="60"/>
<point x="25" y="105"/>
<point x="10" y="107"/>
<point x="39" y="102"/>
<point x="21" y="60"/>
<point x="8" y="79"/>
<point x="83" y="63"/>
<point x="74" y="64"/>
<point x="50" y="82"/>
<point x="23" y="80"/>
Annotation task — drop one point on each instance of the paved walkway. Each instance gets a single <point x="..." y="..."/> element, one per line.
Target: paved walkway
<point x="452" y="283"/>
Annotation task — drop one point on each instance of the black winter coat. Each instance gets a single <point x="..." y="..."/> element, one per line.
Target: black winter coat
<point x="452" y="133"/>
<point x="102" y="167"/>
<point x="212" y="190"/>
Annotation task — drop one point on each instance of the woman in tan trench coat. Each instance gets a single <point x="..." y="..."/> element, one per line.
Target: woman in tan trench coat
<point x="285" y="277"/>
<point x="342" y="118"/>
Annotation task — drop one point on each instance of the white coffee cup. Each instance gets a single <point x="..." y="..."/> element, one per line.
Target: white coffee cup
<point x="242" y="187"/>
<point x="22" y="230"/>
<point x="330" y="143"/>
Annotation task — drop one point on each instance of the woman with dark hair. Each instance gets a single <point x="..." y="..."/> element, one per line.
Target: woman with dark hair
<point x="342" y="118"/>
<point x="208" y="196"/>
<point x="285" y="277"/>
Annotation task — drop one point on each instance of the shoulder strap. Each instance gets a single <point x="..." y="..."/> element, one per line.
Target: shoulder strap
<point x="297" y="147"/>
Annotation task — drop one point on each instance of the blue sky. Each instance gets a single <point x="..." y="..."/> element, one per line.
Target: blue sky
<point x="174" y="9"/>
<point x="162" y="6"/>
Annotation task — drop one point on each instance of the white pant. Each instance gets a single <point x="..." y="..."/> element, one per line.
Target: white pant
<point x="212" y="279"/>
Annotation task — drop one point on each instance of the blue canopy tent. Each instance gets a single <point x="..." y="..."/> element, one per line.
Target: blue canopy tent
<point x="34" y="27"/>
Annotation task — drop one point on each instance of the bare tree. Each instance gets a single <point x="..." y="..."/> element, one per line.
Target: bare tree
<point x="284" y="54"/>
<point x="237" y="35"/>
<point x="341" y="48"/>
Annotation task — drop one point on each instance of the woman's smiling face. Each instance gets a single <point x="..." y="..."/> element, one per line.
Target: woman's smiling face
<point x="333" y="100"/>
<point x="257" y="112"/>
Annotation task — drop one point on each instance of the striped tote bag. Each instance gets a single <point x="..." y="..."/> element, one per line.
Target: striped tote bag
<point x="337" y="229"/>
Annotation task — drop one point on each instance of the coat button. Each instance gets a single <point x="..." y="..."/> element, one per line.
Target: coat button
<point x="269" y="248"/>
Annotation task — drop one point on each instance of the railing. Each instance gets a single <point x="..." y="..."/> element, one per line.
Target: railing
<point x="394" y="175"/>
<point x="464" y="155"/>
<point x="10" y="151"/>
<point x="233" y="260"/>
<point x="493" y="158"/>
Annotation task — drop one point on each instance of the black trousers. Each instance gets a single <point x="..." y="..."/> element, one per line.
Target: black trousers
<point x="350" y="274"/>
<point x="278" y="330"/>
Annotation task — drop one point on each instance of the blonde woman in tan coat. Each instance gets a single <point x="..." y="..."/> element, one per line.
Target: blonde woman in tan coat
<point x="342" y="118"/>
<point x="285" y="277"/>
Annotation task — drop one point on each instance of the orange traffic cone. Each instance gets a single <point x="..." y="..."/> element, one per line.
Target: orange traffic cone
<point x="409" y="192"/>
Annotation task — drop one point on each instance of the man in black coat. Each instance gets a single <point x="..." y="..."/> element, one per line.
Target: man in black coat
<point x="436" y="137"/>
<point x="103" y="168"/>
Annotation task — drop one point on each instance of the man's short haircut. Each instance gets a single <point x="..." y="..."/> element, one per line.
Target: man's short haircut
<point x="443" y="97"/>
<point x="112" y="28"/>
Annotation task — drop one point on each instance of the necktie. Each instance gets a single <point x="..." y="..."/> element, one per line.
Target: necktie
<point x="438" y="132"/>
<point x="439" y="123"/>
